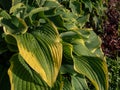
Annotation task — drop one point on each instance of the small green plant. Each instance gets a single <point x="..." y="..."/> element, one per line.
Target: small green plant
<point x="114" y="73"/>
<point x="49" y="47"/>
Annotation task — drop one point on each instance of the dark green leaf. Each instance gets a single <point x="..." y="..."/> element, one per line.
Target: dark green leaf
<point x="22" y="77"/>
<point x="57" y="20"/>
<point x="67" y="69"/>
<point x="83" y="19"/>
<point x="67" y="52"/>
<point x="79" y="82"/>
<point x="75" y="6"/>
<point x="15" y="8"/>
<point x="4" y="14"/>
<point x="10" y="39"/>
<point x="66" y="84"/>
<point x="94" y="69"/>
<point x="40" y="2"/>
<point x="51" y="3"/>
<point x="12" y="48"/>
<point x="88" y="4"/>
<point x="14" y="25"/>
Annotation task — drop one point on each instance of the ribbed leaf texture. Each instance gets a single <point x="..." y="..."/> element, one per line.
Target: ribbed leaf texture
<point x="22" y="77"/>
<point x="42" y="50"/>
<point x="87" y="57"/>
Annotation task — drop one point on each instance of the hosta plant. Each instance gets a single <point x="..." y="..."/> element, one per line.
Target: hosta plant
<point x="44" y="45"/>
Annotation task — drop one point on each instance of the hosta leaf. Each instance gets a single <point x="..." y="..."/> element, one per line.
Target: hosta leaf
<point x="69" y="35"/>
<point x="14" y="25"/>
<point x="15" y="7"/>
<point x="88" y="4"/>
<point x="94" y="69"/>
<point x="42" y="50"/>
<point x="75" y="7"/>
<point x="57" y="20"/>
<point x="85" y="42"/>
<point x="40" y="2"/>
<point x="66" y="84"/>
<point x="4" y="14"/>
<point x="35" y="13"/>
<point x="36" y="10"/>
<point x="50" y="12"/>
<point x="79" y="48"/>
<point x="79" y="82"/>
<point x="68" y="18"/>
<point x="3" y="45"/>
<point x="89" y="64"/>
<point x="11" y="43"/>
<point x="51" y="3"/>
<point x="22" y="77"/>
<point x="10" y="39"/>
<point x="67" y="52"/>
<point x="93" y="44"/>
<point x="12" y="48"/>
<point x="83" y="19"/>
<point x="58" y="84"/>
<point x="85" y="58"/>
<point x="67" y="68"/>
<point x="14" y="2"/>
